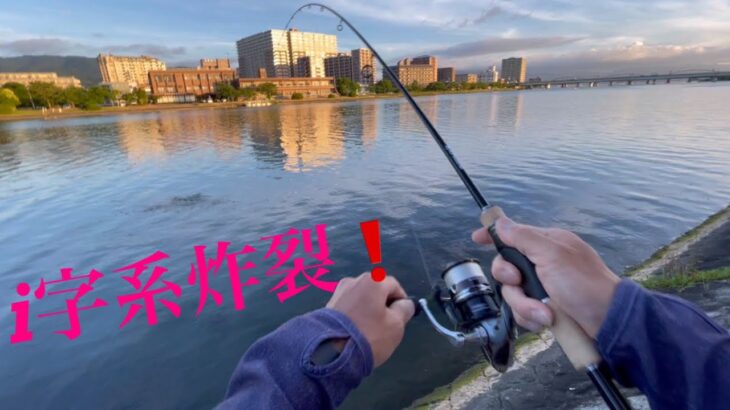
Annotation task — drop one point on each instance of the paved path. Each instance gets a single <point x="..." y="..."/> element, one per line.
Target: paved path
<point x="710" y="252"/>
<point x="548" y="381"/>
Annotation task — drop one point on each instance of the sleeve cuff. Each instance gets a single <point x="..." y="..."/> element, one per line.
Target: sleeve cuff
<point x="357" y="347"/>
<point x="618" y="316"/>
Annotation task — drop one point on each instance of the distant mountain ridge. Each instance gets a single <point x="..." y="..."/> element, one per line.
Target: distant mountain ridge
<point x="85" y="69"/>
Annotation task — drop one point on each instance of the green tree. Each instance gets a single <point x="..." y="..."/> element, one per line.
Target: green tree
<point x="20" y="91"/>
<point x="414" y="86"/>
<point x="267" y="89"/>
<point x="297" y="96"/>
<point x="98" y="96"/>
<point x="436" y="86"/>
<point x="248" y="93"/>
<point x="75" y="96"/>
<point x="46" y="94"/>
<point x="8" y="101"/>
<point x="225" y="90"/>
<point x="383" y="87"/>
<point x="142" y="98"/>
<point x="129" y="98"/>
<point x="347" y="87"/>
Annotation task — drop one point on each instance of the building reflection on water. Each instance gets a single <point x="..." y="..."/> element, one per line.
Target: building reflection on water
<point x="297" y="138"/>
<point x="174" y="132"/>
<point x="311" y="136"/>
<point x="505" y="110"/>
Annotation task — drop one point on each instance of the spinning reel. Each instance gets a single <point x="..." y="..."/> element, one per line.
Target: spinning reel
<point x="478" y="313"/>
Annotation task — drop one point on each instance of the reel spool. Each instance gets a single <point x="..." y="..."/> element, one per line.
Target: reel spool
<point x="476" y="311"/>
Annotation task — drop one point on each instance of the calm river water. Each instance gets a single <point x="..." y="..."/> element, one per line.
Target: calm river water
<point x="628" y="168"/>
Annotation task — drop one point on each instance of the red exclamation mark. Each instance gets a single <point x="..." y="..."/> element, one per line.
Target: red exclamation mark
<point x="371" y="235"/>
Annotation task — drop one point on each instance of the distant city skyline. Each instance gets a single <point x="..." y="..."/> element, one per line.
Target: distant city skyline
<point x="559" y="38"/>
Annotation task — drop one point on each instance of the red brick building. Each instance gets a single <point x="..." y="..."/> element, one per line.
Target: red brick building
<point x="184" y="84"/>
<point x="309" y="87"/>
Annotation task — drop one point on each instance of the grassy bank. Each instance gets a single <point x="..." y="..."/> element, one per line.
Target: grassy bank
<point x="683" y="280"/>
<point x="660" y="260"/>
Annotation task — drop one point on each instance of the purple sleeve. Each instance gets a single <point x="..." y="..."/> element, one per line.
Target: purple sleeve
<point x="276" y="371"/>
<point x="668" y="348"/>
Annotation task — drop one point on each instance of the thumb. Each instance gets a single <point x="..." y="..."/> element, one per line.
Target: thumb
<point x="403" y="309"/>
<point x="529" y="240"/>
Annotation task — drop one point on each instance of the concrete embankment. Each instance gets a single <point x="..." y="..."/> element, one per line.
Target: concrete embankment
<point x="696" y="267"/>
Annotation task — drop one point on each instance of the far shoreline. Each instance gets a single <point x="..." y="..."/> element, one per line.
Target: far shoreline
<point x="26" y="115"/>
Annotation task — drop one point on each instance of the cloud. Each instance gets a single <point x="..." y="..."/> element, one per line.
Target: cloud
<point x="59" y="46"/>
<point x="34" y="46"/>
<point x="638" y="51"/>
<point x="502" y="45"/>
<point x="148" y="49"/>
<point x="636" y="58"/>
<point x="488" y="14"/>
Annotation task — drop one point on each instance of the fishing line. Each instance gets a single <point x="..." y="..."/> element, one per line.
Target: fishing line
<point x="426" y="271"/>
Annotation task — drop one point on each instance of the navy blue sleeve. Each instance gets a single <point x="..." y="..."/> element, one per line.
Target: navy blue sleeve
<point x="667" y="348"/>
<point x="276" y="372"/>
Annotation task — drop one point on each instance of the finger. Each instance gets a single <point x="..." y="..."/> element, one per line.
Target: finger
<point x="527" y="324"/>
<point x="403" y="309"/>
<point x="529" y="240"/>
<point x="505" y="272"/>
<point x="481" y="236"/>
<point x="391" y="288"/>
<point x="531" y="309"/>
<point x="343" y="284"/>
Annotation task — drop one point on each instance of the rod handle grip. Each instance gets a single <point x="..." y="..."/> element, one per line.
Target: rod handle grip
<point x="576" y="344"/>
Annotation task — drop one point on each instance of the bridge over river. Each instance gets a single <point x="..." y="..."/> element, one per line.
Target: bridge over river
<point x="631" y="79"/>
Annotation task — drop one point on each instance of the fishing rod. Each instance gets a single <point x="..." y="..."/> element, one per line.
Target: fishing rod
<point x="469" y="300"/>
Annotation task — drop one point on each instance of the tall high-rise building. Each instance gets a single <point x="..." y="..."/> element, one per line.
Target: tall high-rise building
<point x="130" y="70"/>
<point x="427" y="60"/>
<point x="489" y="76"/>
<point x="514" y="69"/>
<point x="363" y="66"/>
<point x="447" y="75"/>
<point x="304" y="67"/>
<point x="339" y="66"/>
<point x="422" y="70"/>
<point x="279" y="53"/>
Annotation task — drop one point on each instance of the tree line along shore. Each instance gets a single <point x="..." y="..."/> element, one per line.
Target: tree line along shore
<point x="47" y="100"/>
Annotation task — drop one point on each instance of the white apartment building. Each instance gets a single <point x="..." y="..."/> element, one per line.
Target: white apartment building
<point x="285" y="53"/>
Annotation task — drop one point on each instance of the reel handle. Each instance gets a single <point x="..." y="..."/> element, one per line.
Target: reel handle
<point x="576" y="344"/>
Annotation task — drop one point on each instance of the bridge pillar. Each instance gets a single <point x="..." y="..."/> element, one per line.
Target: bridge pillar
<point x="648" y="82"/>
<point x="669" y="80"/>
<point x="628" y="82"/>
<point x="653" y="81"/>
<point x="562" y="85"/>
<point x="610" y="83"/>
<point x="577" y="85"/>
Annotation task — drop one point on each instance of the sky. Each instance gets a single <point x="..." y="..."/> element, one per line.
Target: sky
<point x="560" y="38"/>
